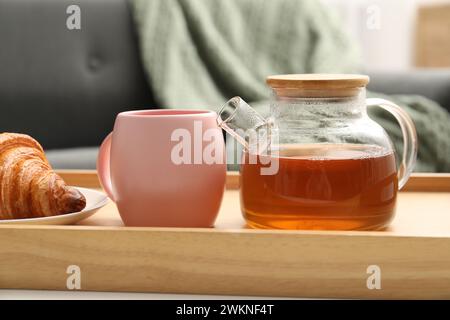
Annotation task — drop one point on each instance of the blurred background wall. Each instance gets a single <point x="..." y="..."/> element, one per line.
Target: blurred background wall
<point x="398" y="35"/>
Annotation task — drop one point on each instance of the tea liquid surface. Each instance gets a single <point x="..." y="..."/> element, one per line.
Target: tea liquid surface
<point x="321" y="187"/>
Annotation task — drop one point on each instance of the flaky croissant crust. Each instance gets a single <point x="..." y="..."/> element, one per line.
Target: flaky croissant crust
<point x="29" y="188"/>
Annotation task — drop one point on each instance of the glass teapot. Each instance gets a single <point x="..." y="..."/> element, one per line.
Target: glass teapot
<point x="318" y="161"/>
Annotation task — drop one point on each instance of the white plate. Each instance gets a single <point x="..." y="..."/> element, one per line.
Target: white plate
<point x="94" y="201"/>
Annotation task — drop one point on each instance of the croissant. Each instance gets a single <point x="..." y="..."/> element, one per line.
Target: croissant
<point x="29" y="188"/>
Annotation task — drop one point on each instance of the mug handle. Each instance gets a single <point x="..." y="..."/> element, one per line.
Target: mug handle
<point x="103" y="166"/>
<point x="410" y="144"/>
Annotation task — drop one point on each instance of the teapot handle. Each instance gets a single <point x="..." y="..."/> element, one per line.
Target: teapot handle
<point x="410" y="144"/>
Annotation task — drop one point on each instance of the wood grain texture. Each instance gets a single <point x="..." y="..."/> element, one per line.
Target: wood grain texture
<point x="80" y="178"/>
<point x="433" y="182"/>
<point x="191" y="261"/>
<point x="433" y="36"/>
<point x="413" y="254"/>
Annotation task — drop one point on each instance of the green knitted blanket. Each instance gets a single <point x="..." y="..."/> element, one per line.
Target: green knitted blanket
<point x="199" y="53"/>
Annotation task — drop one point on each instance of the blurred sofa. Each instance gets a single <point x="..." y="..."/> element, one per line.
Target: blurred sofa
<point x="65" y="87"/>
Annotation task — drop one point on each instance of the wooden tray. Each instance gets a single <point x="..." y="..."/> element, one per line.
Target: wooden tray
<point x="413" y="255"/>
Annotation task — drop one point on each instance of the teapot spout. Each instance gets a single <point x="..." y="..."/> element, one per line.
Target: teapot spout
<point x="244" y="124"/>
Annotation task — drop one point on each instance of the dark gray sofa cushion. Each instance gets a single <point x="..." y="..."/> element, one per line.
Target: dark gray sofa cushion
<point x="433" y="84"/>
<point x="74" y="158"/>
<point x="65" y="87"/>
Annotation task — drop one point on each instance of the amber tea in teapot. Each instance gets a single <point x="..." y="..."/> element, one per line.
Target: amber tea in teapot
<point x="330" y="186"/>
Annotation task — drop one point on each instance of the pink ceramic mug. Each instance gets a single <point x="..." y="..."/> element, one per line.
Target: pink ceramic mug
<point x="151" y="165"/>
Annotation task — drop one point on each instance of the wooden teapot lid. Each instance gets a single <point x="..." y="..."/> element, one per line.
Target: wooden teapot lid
<point x="317" y="85"/>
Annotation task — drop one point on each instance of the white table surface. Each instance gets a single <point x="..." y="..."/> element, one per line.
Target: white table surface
<point x="84" y="295"/>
